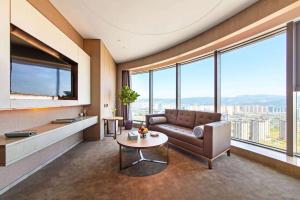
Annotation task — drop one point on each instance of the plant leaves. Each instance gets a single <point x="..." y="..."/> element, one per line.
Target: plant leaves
<point x="128" y="95"/>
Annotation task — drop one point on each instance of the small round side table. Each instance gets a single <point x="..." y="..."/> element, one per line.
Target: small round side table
<point x="115" y="120"/>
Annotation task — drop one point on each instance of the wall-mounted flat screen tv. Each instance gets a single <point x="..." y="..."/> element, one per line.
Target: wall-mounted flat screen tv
<point x="38" y="71"/>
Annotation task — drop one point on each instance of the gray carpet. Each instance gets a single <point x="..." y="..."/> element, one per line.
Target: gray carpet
<point x="91" y="171"/>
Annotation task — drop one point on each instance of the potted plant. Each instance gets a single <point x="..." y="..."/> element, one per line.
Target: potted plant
<point x="127" y="96"/>
<point x="114" y="111"/>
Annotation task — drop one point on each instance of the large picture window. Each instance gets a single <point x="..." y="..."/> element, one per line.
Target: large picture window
<point x="140" y="84"/>
<point x="164" y="89"/>
<point x="253" y="90"/>
<point x="197" y="85"/>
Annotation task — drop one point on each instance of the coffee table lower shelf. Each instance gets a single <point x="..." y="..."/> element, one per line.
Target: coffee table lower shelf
<point x="142" y="158"/>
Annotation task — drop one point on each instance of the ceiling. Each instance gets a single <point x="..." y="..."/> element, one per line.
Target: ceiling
<point x="132" y="29"/>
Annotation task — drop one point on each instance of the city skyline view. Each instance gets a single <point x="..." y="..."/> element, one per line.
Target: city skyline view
<point x="260" y="122"/>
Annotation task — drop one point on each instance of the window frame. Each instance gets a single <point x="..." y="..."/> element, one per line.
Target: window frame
<point x="246" y="43"/>
<point x="291" y="132"/>
<point x="181" y="65"/>
<point x="151" y="89"/>
<point x="136" y="73"/>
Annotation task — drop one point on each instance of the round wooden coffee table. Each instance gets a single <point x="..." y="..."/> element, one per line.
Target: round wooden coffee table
<point x="143" y="143"/>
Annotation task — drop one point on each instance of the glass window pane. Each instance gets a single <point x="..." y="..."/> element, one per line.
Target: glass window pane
<point x="197" y="85"/>
<point x="164" y="89"/>
<point x="253" y="91"/>
<point x="140" y="84"/>
<point x="65" y="83"/>
<point x="33" y="80"/>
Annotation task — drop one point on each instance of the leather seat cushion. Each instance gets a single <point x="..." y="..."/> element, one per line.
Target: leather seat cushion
<point x="178" y="132"/>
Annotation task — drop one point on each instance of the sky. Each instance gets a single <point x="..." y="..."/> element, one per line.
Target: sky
<point x="255" y="69"/>
<point x="38" y="80"/>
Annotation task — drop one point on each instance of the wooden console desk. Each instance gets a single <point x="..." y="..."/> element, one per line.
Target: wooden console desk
<point x="14" y="149"/>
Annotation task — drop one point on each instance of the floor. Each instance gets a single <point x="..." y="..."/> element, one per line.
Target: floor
<point x="91" y="171"/>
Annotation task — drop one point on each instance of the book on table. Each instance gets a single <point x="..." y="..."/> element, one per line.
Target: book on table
<point x="66" y="120"/>
<point x="26" y="133"/>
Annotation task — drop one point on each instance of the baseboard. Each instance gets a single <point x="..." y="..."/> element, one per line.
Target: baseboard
<point x="8" y="187"/>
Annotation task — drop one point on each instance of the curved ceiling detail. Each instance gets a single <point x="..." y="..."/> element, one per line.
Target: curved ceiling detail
<point x="133" y="29"/>
<point x="144" y="23"/>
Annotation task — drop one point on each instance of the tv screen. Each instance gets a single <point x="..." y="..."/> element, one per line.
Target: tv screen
<point x="36" y="73"/>
<point x="39" y="80"/>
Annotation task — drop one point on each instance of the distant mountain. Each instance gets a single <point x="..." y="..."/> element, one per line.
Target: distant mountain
<point x="255" y="99"/>
<point x="239" y="100"/>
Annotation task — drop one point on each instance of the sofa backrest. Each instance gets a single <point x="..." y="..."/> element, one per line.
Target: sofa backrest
<point x="171" y="115"/>
<point x="190" y="118"/>
<point x="186" y="118"/>
<point x="206" y="118"/>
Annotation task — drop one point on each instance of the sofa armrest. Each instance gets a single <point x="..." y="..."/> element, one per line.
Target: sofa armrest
<point x="152" y="115"/>
<point x="216" y="138"/>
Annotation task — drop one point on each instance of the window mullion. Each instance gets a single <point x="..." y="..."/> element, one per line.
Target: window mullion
<point x="151" y="92"/>
<point x="290" y="94"/>
<point x="178" y="86"/>
<point x="217" y="82"/>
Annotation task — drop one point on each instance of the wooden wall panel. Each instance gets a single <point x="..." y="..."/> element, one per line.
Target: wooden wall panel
<point x="108" y="84"/>
<point x="103" y="86"/>
<point x="93" y="48"/>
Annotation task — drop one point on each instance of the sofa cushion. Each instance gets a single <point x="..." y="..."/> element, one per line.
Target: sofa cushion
<point x="171" y="115"/>
<point x="198" y="131"/>
<point x="178" y="132"/>
<point x="157" y="120"/>
<point x="185" y="118"/>
<point x="203" y="118"/>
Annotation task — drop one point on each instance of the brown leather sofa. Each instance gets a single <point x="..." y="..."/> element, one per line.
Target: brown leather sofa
<point x="179" y="129"/>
